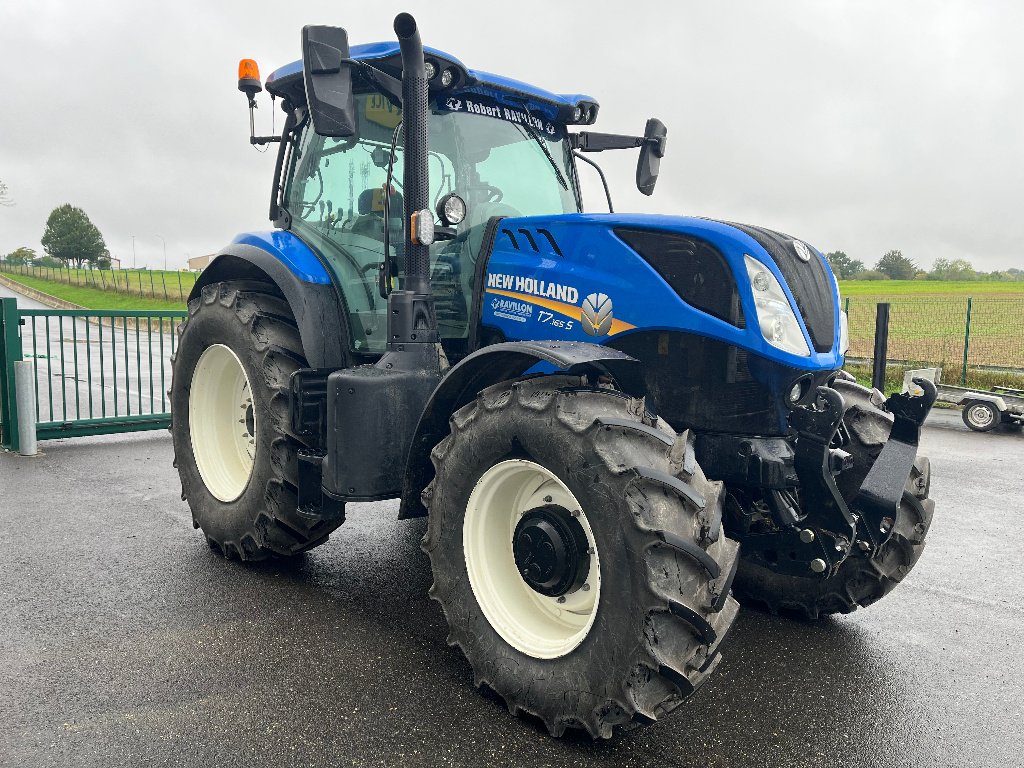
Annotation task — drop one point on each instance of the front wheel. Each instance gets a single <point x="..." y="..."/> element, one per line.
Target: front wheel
<point x="577" y="553"/>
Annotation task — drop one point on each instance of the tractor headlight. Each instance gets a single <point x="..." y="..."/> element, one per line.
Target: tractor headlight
<point x="775" y="316"/>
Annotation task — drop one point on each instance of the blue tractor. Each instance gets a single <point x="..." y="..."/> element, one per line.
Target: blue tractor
<point x="617" y="425"/>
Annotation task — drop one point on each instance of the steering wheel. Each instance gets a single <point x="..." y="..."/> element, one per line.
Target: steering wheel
<point x="494" y="194"/>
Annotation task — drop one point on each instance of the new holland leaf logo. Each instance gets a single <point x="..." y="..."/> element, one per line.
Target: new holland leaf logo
<point x="596" y="314"/>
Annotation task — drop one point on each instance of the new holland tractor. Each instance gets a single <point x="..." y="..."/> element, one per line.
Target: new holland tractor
<point x="614" y="423"/>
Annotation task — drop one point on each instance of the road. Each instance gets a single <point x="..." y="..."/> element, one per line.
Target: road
<point x="83" y="370"/>
<point x="126" y="641"/>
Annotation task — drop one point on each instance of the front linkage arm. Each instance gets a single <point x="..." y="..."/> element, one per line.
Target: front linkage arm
<point x="878" y="500"/>
<point x="868" y="520"/>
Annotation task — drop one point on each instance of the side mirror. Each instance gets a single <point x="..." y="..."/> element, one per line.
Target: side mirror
<point x="651" y="152"/>
<point x="328" y="77"/>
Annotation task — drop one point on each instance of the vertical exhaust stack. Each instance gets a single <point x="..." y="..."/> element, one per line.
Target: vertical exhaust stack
<point x="414" y="134"/>
<point x="411" y="318"/>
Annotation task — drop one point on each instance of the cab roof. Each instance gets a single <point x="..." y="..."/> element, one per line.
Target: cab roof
<point x="287" y="81"/>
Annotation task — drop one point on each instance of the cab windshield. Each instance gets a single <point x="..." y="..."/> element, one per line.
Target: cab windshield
<point x="500" y="161"/>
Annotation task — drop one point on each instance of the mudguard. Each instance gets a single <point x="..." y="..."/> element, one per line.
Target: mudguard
<point x="493" y="364"/>
<point x="319" y="313"/>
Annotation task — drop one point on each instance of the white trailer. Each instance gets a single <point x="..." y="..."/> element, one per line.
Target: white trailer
<point x="983" y="409"/>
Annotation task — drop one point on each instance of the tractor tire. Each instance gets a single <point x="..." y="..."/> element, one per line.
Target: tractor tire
<point x="980" y="416"/>
<point x="640" y="627"/>
<point x="238" y="461"/>
<point x="861" y="579"/>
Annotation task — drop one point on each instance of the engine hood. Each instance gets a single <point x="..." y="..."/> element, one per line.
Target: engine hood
<point x="703" y="262"/>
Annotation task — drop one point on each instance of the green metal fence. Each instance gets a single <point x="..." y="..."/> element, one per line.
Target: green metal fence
<point x="966" y="337"/>
<point x="96" y="372"/>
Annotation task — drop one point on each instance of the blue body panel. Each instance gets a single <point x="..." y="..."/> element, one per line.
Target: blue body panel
<point x="290" y="251"/>
<point x="531" y="295"/>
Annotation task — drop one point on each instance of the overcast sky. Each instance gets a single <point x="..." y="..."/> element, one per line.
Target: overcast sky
<point x="860" y="126"/>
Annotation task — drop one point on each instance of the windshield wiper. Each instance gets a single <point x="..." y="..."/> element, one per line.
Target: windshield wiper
<point x="547" y="153"/>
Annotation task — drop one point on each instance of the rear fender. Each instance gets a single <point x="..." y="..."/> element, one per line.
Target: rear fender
<point x="494" y="364"/>
<point x="318" y="311"/>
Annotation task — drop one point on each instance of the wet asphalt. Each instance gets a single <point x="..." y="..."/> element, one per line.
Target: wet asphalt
<point x="124" y="640"/>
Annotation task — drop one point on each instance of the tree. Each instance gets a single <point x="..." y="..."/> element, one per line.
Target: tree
<point x="844" y="267"/>
<point x="957" y="269"/>
<point x="103" y="262"/>
<point x="70" y="236"/>
<point x="20" y="256"/>
<point x="896" y="266"/>
<point x="5" y="196"/>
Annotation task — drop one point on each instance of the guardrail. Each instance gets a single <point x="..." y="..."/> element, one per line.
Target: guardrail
<point x="95" y="371"/>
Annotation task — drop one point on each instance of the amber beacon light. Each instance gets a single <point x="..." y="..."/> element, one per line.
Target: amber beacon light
<point x="249" y="78"/>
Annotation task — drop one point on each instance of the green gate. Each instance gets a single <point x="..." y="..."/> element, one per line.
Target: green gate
<point x="96" y="372"/>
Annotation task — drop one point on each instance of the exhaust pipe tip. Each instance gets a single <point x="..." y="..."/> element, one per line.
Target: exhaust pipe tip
<point x="405" y="25"/>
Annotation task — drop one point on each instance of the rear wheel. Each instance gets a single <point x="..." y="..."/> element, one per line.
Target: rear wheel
<point x="861" y="579"/>
<point x="577" y="553"/>
<point x="980" y="416"/>
<point x="235" y="455"/>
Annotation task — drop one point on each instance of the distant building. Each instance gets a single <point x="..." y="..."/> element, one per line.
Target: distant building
<point x="198" y="263"/>
<point x="115" y="263"/>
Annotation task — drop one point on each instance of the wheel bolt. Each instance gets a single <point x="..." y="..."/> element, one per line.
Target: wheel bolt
<point x="806" y="535"/>
<point x="818" y="565"/>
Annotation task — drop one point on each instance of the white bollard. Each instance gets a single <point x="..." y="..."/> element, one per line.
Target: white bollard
<point x="25" y="398"/>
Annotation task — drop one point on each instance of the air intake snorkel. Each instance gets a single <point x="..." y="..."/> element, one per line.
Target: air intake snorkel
<point x="414" y="321"/>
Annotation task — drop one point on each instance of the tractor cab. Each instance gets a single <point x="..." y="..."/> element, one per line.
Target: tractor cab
<point x="497" y="149"/>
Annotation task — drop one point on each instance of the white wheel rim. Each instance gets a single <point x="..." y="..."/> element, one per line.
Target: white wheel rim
<point x="980" y="415"/>
<point x="220" y="417"/>
<point x="532" y="623"/>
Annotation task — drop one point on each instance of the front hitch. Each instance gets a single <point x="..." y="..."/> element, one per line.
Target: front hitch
<point x="879" y="497"/>
<point x="869" y="519"/>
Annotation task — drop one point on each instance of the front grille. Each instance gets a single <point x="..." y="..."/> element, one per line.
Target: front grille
<point x="709" y="385"/>
<point x="809" y="282"/>
<point x="695" y="269"/>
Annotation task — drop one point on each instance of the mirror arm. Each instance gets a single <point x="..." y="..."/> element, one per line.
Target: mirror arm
<point x="595" y="166"/>
<point x="588" y="141"/>
<point x="390" y="86"/>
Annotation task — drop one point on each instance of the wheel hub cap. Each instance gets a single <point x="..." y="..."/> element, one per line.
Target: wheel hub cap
<point x="550" y="550"/>
<point x="532" y="559"/>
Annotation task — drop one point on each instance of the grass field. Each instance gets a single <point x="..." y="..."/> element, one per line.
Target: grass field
<point x="928" y="322"/>
<point x="168" y="286"/>
<point x="881" y="290"/>
<point x="95" y="298"/>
